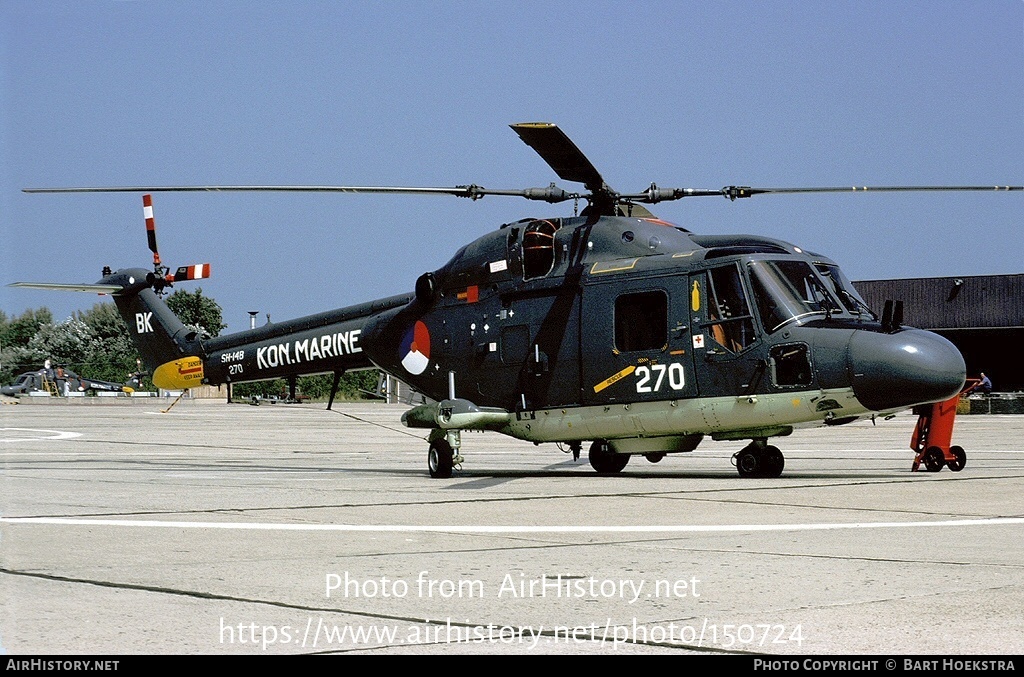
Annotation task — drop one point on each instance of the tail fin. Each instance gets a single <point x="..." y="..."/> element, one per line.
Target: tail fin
<point x="171" y="352"/>
<point x="169" y="349"/>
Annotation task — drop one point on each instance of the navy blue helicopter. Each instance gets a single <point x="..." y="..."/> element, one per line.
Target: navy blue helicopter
<point x="611" y="327"/>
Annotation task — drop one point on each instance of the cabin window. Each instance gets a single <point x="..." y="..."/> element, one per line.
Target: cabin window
<point x="641" y="321"/>
<point x="538" y="249"/>
<point x="731" y="324"/>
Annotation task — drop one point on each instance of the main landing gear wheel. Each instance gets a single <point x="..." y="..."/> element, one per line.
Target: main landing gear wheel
<point x="960" y="459"/>
<point x="604" y="460"/>
<point x="755" y="460"/>
<point x="439" y="459"/>
<point x="748" y="462"/>
<point x="934" y="459"/>
<point x="774" y="461"/>
<point x="654" y="456"/>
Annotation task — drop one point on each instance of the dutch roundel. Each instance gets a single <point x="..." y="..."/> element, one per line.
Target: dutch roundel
<point x="415" y="349"/>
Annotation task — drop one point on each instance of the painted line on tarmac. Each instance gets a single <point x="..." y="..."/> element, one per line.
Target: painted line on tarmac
<point x="34" y="434"/>
<point x="506" y="529"/>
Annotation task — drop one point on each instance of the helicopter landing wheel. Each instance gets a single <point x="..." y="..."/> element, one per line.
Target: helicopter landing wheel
<point x="773" y="461"/>
<point x="960" y="460"/>
<point x="749" y="461"/>
<point x="654" y="456"/>
<point x="440" y="459"/>
<point x="934" y="459"/>
<point x="604" y="460"/>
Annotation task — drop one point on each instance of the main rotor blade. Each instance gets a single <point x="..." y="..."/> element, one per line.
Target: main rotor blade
<point x="729" y="190"/>
<point x="551" y="193"/>
<point x="559" y="151"/>
<point x="654" y="194"/>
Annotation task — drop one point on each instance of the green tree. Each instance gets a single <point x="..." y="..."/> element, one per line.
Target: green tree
<point x="243" y="391"/>
<point x="20" y="330"/>
<point x="68" y="343"/>
<point x="196" y="311"/>
<point x="354" y="385"/>
<point x="112" y="355"/>
<point x="104" y="320"/>
<point x="14" y="360"/>
<point x="15" y="334"/>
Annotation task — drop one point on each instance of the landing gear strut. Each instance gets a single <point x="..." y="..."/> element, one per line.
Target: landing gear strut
<point x="759" y="459"/>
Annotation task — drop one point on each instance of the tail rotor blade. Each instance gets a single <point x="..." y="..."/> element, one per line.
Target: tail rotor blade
<point x="147" y="211"/>
<point x="197" y="272"/>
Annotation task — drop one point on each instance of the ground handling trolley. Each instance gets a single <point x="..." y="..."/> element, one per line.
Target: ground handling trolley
<point x="934" y="432"/>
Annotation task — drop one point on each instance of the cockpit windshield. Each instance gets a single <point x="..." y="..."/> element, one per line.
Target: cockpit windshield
<point x="786" y="290"/>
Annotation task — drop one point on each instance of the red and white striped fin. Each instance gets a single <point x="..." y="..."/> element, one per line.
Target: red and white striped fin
<point x="196" y="272"/>
<point x="147" y="212"/>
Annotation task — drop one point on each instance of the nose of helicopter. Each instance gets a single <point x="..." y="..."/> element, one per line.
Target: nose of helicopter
<point x="910" y="367"/>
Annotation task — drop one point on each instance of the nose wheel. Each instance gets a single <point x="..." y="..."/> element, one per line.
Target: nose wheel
<point x="443" y="455"/>
<point x="604" y="460"/>
<point x="759" y="459"/>
<point x="439" y="459"/>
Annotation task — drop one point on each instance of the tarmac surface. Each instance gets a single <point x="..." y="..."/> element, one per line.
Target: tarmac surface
<point x="235" y="529"/>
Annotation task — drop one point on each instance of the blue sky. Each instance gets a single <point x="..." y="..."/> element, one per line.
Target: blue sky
<point x="684" y="94"/>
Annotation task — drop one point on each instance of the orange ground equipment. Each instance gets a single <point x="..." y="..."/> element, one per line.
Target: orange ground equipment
<point x="934" y="432"/>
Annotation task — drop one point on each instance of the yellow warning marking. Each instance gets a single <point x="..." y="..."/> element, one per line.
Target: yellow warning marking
<point x="612" y="266"/>
<point x="614" y="378"/>
<point x="695" y="297"/>
<point x="796" y="402"/>
<point x="678" y="352"/>
<point x="184" y="373"/>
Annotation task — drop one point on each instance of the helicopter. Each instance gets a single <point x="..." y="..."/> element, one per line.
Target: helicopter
<point x="611" y="326"/>
<point x="57" y="381"/>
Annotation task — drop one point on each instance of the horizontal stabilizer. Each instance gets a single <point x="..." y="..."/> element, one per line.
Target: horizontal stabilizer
<point x="57" y="286"/>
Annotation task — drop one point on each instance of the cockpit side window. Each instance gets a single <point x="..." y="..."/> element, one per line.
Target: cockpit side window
<point x="732" y="325"/>
<point x="843" y="288"/>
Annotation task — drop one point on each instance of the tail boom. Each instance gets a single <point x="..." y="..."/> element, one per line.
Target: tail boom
<point x="327" y="342"/>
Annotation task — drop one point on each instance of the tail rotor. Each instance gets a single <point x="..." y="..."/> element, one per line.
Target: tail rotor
<point x="161" y="277"/>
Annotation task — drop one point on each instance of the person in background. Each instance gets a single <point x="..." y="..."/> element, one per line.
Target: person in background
<point x="985" y="387"/>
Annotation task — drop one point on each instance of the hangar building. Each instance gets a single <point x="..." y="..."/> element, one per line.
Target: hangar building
<point x="982" y="315"/>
